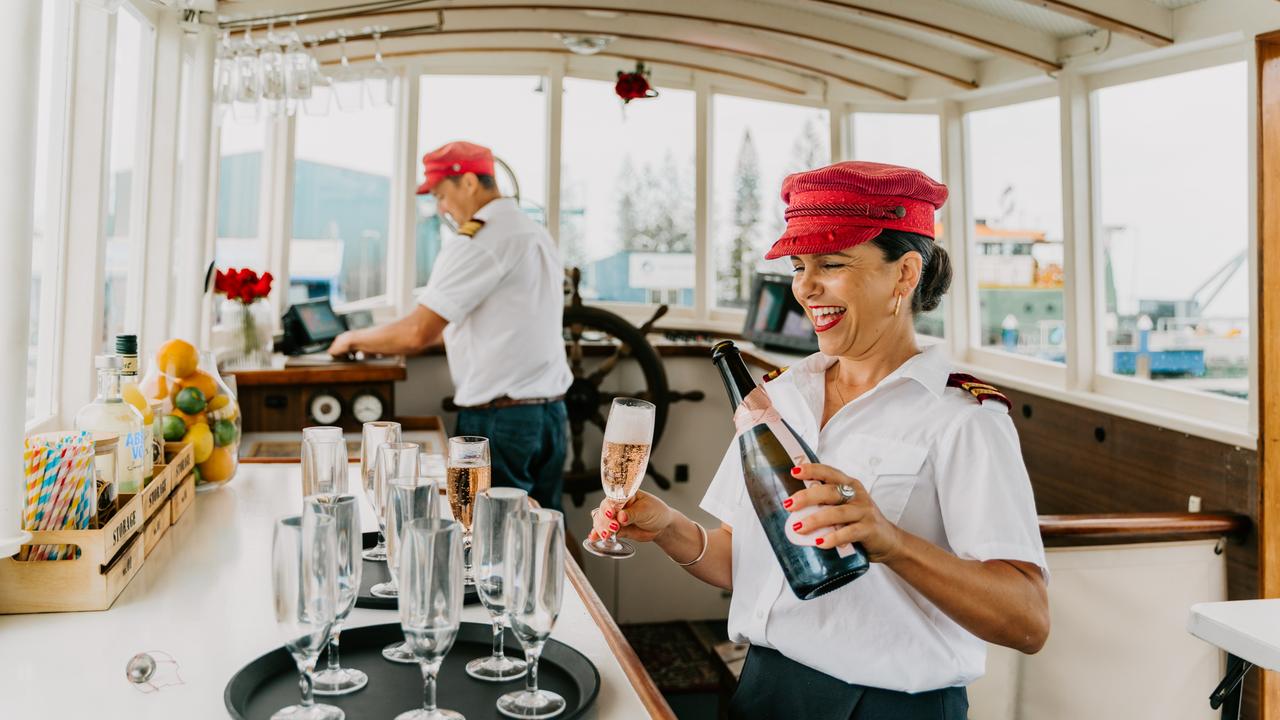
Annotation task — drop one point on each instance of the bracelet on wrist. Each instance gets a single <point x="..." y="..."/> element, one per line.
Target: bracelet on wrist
<point x="703" y="531"/>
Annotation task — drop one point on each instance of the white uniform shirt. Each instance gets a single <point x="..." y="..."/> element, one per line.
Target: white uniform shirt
<point x="502" y="292"/>
<point x="939" y="465"/>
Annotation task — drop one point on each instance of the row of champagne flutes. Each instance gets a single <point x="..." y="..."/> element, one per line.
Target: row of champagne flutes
<point x="280" y="74"/>
<point x="316" y="560"/>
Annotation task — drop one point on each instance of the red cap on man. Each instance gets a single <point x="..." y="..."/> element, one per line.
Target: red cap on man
<point x="849" y="203"/>
<point x="455" y="158"/>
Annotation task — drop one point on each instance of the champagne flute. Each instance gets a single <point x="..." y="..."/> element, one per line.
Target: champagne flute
<point x="628" y="436"/>
<point x="535" y="571"/>
<point x="431" y="604"/>
<point x="324" y="466"/>
<point x="469" y="474"/>
<point x="397" y="465"/>
<point x="304" y="569"/>
<point x="406" y="503"/>
<point x="345" y="511"/>
<point x="373" y="436"/>
<point x="497" y="509"/>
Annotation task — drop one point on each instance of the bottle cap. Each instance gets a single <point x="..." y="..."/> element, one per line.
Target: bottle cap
<point x="108" y="362"/>
<point x="127" y="344"/>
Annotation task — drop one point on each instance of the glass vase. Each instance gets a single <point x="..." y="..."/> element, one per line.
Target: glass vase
<point x="249" y="327"/>
<point x="216" y="464"/>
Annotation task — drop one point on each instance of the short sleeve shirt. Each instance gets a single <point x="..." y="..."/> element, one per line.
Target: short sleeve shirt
<point x="502" y="292"/>
<point x="940" y="465"/>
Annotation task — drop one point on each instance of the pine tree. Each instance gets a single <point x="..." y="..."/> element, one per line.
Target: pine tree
<point x="629" y="204"/>
<point x="736" y="284"/>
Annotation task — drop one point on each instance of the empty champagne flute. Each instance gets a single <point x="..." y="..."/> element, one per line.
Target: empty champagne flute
<point x="373" y="436"/>
<point x="535" y="572"/>
<point x="397" y="465"/>
<point x="345" y="511"/>
<point x="304" y="582"/>
<point x="324" y="466"/>
<point x="628" y="436"/>
<point x="469" y="474"/>
<point x="406" y="503"/>
<point x="497" y="510"/>
<point x="431" y="604"/>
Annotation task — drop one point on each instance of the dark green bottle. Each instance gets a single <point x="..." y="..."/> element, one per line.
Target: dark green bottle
<point x="766" y="469"/>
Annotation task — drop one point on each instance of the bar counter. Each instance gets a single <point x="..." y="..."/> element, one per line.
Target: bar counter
<point x="204" y="597"/>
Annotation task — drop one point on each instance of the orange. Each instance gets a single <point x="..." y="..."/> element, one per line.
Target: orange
<point x="177" y="358"/>
<point x="201" y="380"/>
<point x="189" y="420"/>
<point x="156" y="387"/>
<point x="220" y="465"/>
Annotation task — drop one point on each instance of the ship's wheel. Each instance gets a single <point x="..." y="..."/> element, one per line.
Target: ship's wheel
<point x="590" y="333"/>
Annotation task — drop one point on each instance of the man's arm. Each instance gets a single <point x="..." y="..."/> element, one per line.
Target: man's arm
<point x="409" y="335"/>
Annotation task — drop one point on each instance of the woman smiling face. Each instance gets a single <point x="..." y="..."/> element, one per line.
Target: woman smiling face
<point x="850" y="295"/>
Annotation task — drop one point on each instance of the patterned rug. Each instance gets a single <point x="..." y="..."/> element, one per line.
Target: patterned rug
<point x="679" y="656"/>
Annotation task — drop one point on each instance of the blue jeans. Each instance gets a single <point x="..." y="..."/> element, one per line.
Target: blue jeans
<point x="527" y="445"/>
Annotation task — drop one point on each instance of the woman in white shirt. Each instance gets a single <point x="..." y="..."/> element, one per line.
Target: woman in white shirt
<point x="920" y="466"/>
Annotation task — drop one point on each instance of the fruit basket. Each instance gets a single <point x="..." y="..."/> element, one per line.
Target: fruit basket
<point x="198" y="409"/>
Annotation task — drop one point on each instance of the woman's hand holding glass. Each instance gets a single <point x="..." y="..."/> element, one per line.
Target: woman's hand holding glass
<point x="860" y="517"/>
<point x="624" y="458"/>
<point x="642" y="519"/>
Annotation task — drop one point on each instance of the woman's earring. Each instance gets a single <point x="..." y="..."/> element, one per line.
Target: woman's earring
<point x="897" y="306"/>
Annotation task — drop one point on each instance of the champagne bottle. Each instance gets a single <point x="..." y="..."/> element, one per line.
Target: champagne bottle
<point x="766" y="466"/>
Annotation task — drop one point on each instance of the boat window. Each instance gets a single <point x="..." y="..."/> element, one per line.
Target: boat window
<point x="627" y="193"/>
<point x="505" y="113"/>
<point x="755" y="144"/>
<point x="1174" y="229"/>
<point x="1015" y="194"/>
<point x="911" y="140"/>
<point x="343" y="163"/>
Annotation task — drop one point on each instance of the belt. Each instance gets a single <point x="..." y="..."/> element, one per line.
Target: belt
<point x="506" y="402"/>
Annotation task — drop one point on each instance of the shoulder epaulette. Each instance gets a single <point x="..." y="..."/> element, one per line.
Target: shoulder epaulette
<point x="773" y="374"/>
<point x="981" y="391"/>
<point x="470" y="228"/>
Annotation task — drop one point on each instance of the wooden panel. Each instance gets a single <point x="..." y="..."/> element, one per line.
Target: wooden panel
<point x="389" y="369"/>
<point x="1113" y="527"/>
<point x="1268" y="328"/>
<point x="1083" y="461"/>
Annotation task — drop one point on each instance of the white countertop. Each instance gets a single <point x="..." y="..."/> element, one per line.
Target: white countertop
<point x="1248" y="629"/>
<point x="204" y="597"/>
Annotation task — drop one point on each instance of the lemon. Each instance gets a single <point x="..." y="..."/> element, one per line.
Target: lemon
<point x="200" y="437"/>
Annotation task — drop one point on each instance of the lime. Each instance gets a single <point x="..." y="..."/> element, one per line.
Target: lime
<point x="224" y="433"/>
<point x="173" y="428"/>
<point x="199" y="475"/>
<point x="190" y="400"/>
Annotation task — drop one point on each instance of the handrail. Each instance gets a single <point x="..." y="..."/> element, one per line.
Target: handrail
<point x="1145" y="525"/>
<point x="641" y="682"/>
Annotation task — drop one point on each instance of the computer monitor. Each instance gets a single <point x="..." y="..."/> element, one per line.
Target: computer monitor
<point x="310" y="327"/>
<point x="775" y="319"/>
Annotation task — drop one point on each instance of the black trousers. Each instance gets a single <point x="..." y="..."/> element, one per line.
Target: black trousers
<point x="774" y="687"/>
<point x="527" y="445"/>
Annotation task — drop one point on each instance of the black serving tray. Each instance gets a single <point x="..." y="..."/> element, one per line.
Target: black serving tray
<point x="271" y="681"/>
<point x="375" y="572"/>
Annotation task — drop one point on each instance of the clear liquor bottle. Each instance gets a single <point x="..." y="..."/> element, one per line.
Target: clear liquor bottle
<point x="110" y="413"/>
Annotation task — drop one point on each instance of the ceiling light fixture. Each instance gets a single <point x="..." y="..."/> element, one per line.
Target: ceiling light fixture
<point x="585" y="44"/>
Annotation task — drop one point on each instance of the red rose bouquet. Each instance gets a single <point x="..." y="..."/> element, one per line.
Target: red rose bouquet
<point x="245" y="287"/>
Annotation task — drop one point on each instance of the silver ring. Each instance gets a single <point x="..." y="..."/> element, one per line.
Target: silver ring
<point x="846" y="493"/>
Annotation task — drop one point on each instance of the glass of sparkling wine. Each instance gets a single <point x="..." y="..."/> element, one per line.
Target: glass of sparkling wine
<point x="374" y="436"/>
<point x="469" y="474"/>
<point x="623" y="460"/>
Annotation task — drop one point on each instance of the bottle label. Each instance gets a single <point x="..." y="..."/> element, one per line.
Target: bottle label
<point x="757" y="409"/>
<point x="128" y="364"/>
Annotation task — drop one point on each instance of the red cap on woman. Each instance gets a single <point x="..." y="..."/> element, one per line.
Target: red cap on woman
<point x="849" y="203"/>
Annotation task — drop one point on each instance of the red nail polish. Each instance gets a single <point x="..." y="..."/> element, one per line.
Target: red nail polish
<point x="796" y="526"/>
<point x="795" y="471"/>
<point x="818" y="541"/>
<point x="608" y="514"/>
<point x="787" y="503"/>
<point x="613" y="526"/>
